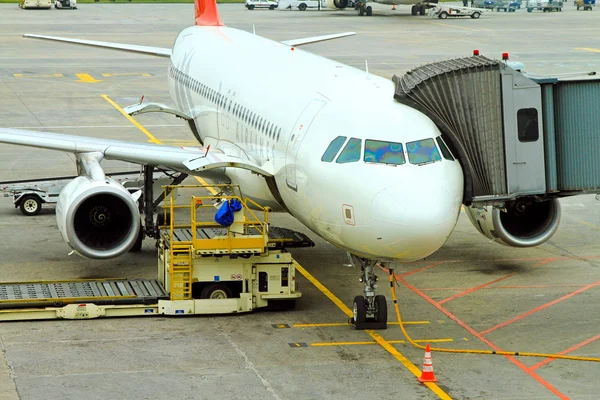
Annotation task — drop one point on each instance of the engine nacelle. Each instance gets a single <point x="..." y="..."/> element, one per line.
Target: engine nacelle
<point x="525" y="223"/>
<point x="333" y="4"/>
<point x="97" y="218"/>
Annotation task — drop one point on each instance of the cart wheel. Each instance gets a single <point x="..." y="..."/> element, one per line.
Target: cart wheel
<point x="271" y="7"/>
<point x="359" y="309"/>
<point x="422" y="9"/>
<point x="302" y="7"/>
<point x="475" y="15"/>
<point x="215" y="291"/>
<point x="251" y="7"/>
<point x="443" y="15"/>
<point x="163" y="219"/>
<point x="529" y="9"/>
<point x="369" y="11"/>
<point x="30" y="205"/>
<point x="414" y="10"/>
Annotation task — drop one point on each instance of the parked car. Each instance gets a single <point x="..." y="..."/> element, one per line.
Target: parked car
<point x="252" y="4"/>
<point x="301" y="5"/>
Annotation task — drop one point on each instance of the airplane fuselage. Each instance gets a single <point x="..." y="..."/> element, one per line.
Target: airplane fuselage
<point x="286" y="118"/>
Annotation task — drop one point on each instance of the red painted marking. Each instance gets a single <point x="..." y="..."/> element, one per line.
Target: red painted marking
<point x="543" y="306"/>
<point x="570" y="349"/>
<point x="484" y="340"/>
<point x="475" y="289"/>
<point x="538" y="286"/>
<point x="206" y="13"/>
<point x="435" y="264"/>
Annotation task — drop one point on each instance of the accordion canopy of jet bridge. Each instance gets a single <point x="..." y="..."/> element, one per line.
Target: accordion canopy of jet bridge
<point x="515" y="136"/>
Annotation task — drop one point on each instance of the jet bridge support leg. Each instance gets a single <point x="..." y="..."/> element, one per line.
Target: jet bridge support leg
<point x="369" y="311"/>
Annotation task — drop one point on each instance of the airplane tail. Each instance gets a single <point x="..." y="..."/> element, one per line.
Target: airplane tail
<point x="207" y="13"/>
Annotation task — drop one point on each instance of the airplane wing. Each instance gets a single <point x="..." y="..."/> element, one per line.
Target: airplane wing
<point x="191" y="160"/>
<point x="132" y="48"/>
<point x="316" y="39"/>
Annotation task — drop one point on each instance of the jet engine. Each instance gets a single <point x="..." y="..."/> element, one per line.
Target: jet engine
<point x="97" y="218"/>
<point x="523" y="223"/>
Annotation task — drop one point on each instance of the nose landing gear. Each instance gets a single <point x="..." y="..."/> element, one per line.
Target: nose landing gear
<point x="369" y="311"/>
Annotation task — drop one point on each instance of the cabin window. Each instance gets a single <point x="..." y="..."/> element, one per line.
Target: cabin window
<point x="380" y="152"/>
<point x="422" y="152"/>
<point x="445" y="151"/>
<point x="333" y="148"/>
<point x="527" y="124"/>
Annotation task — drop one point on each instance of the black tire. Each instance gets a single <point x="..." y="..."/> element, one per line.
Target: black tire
<point x="369" y="11"/>
<point x="251" y="7"/>
<point x="302" y="7"/>
<point x="215" y="291"/>
<point x="162" y="219"/>
<point x="381" y="312"/>
<point x="30" y="205"/>
<point x="422" y="9"/>
<point x="414" y="10"/>
<point x="529" y="9"/>
<point x="443" y="15"/>
<point x="475" y="15"/>
<point x="359" y="309"/>
<point x="281" y="305"/>
<point x="137" y="246"/>
<point x="272" y="7"/>
<point x="361" y="11"/>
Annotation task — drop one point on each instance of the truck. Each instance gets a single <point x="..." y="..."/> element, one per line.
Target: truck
<point x="544" y="5"/>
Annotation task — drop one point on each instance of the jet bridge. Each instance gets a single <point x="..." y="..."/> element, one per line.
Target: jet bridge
<point x="516" y="136"/>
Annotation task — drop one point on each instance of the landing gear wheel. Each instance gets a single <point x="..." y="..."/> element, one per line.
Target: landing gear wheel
<point x="381" y="313"/>
<point x="163" y="219"/>
<point x="414" y="10"/>
<point x="369" y="11"/>
<point x="422" y="9"/>
<point x="30" y="205"/>
<point x="359" y="310"/>
<point x="215" y="291"/>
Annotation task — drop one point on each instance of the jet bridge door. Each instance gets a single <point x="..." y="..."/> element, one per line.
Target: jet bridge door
<point x="523" y="138"/>
<point x="298" y="133"/>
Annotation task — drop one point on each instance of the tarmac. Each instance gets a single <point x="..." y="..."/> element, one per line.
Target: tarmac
<point x="471" y="294"/>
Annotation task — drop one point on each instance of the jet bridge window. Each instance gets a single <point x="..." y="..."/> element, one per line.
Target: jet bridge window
<point x="380" y="152"/>
<point x="527" y="124"/>
<point x="422" y="152"/>
<point x="333" y="148"/>
<point x="351" y="152"/>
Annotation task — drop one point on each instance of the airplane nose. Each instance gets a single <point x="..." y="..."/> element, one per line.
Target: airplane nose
<point x="411" y="221"/>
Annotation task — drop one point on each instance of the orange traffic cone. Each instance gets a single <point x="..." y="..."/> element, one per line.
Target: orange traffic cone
<point x="427" y="373"/>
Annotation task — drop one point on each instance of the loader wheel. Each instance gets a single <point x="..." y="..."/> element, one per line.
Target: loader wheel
<point x="475" y="15"/>
<point x="215" y="291"/>
<point x="30" y="205"/>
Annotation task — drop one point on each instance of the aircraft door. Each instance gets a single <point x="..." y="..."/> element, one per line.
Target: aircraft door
<point x="295" y="140"/>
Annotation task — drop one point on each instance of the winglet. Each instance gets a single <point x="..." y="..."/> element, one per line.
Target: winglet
<point x="207" y="13"/>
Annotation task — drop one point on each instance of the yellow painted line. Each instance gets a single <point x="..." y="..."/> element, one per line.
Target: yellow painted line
<point x="588" y="49"/>
<point x="589" y="224"/>
<point x="381" y="341"/>
<point x="39" y="76"/>
<point x="127" y="74"/>
<point x="348" y="324"/>
<point x="86" y="78"/>
<point x="327" y="344"/>
<point x="133" y="121"/>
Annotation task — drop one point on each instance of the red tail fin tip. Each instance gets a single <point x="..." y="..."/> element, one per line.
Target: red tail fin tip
<point x="207" y="13"/>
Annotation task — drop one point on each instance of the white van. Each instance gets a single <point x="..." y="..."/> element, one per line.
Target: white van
<point x="301" y="5"/>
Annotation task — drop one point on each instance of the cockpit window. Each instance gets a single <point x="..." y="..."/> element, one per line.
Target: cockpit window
<point x="351" y="152"/>
<point x="384" y="152"/>
<point x="333" y="148"/>
<point x="445" y="151"/>
<point x="422" y="152"/>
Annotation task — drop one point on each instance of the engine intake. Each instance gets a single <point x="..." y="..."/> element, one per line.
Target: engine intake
<point x="98" y="219"/>
<point x="525" y="223"/>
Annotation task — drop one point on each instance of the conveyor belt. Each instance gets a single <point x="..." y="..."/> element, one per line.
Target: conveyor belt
<point x="44" y="294"/>
<point x="278" y="237"/>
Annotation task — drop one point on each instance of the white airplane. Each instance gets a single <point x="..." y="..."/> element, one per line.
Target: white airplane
<point x="418" y="7"/>
<point x="380" y="184"/>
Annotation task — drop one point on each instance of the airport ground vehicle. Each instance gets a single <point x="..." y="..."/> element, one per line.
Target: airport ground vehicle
<point x="443" y="12"/>
<point x="545" y="6"/>
<point x="66" y="4"/>
<point x="35" y="4"/>
<point x="30" y="195"/>
<point x="252" y="4"/>
<point x="301" y="5"/>
<point x="585" y="5"/>
<point x="203" y="268"/>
